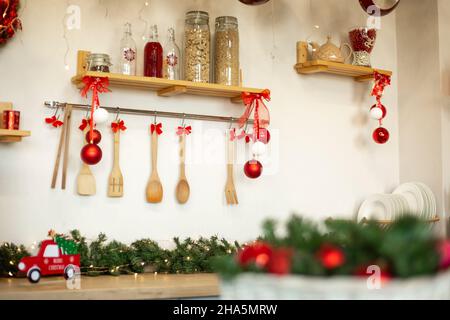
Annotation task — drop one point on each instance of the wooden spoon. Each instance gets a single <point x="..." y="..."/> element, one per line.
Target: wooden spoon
<point x="154" y="190"/>
<point x="85" y="179"/>
<point x="183" y="189"/>
<point x="115" y="188"/>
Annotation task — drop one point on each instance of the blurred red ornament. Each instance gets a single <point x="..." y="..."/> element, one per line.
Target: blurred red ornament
<point x="259" y="253"/>
<point x="253" y="169"/>
<point x="281" y="261"/>
<point x="253" y="2"/>
<point x="91" y="154"/>
<point x="444" y="252"/>
<point x="264" y="135"/>
<point x="381" y="135"/>
<point x="331" y="257"/>
<point x="95" y="138"/>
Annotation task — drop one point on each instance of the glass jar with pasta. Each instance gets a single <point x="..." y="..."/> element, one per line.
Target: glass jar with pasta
<point x="226" y="62"/>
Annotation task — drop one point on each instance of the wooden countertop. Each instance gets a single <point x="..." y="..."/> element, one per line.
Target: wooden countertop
<point x="142" y="286"/>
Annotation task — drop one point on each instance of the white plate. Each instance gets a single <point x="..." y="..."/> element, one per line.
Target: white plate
<point x="375" y="207"/>
<point x="431" y="199"/>
<point x="413" y="196"/>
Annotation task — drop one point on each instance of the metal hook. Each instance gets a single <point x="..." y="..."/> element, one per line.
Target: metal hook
<point x="184" y="120"/>
<point x="154" y="119"/>
<point x="231" y="123"/>
<point x="246" y="126"/>
<point x="118" y="112"/>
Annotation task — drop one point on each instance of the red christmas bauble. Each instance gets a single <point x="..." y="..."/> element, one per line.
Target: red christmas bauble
<point x="259" y="253"/>
<point x="253" y="169"/>
<point x="280" y="262"/>
<point x="264" y="135"/>
<point x="95" y="138"/>
<point x="381" y="135"/>
<point x="91" y="154"/>
<point x="331" y="257"/>
<point x="444" y="253"/>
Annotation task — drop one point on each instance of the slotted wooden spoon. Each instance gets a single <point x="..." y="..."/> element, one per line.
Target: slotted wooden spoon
<point x="154" y="190"/>
<point x="85" y="180"/>
<point x="230" y="190"/>
<point x="115" y="188"/>
<point x="183" y="190"/>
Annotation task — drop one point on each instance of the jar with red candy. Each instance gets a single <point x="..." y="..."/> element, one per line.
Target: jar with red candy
<point x="362" y="40"/>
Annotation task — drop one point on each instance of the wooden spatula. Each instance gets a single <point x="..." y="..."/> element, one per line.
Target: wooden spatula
<point x="62" y="137"/>
<point x="85" y="179"/>
<point x="230" y="190"/>
<point x="154" y="191"/>
<point x="115" y="188"/>
<point x="183" y="189"/>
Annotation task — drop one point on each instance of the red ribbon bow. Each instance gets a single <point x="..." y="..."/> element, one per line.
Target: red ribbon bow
<point x="245" y="135"/>
<point x="157" y="128"/>
<point x="54" y="122"/>
<point x="84" y="124"/>
<point x="118" y="125"/>
<point x="381" y="82"/>
<point x="255" y="101"/>
<point x="233" y="135"/>
<point x="184" y="130"/>
<point x="97" y="85"/>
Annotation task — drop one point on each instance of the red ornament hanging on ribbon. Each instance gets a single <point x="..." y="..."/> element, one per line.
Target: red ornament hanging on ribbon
<point x="94" y="138"/>
<point x="91" y="153"/>
<point x="253" y="169"/>
<point x="378" y="111"/>
<point x="254" y="103"/>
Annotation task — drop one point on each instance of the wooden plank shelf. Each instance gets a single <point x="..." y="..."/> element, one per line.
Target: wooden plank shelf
<point x="305" y="66"/>
<point x="13" y="135"/>
<point x="123" y="287"/>
<point x="163" y="87"/>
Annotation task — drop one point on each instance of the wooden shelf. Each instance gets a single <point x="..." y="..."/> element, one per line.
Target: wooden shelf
<point x="305" y="66"/>
<point x="163" y="87"/>
<point x="361" y="74"/>
<point x="13" y="135"/>
<point x="141" y="286"/>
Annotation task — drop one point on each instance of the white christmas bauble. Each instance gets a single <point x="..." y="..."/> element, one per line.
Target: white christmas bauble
<point x="100" y="115"/>
<point x="376" y="113"/>
<point x="259" y="148"/>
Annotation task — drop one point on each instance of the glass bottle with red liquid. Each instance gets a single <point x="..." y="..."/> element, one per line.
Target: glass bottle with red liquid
<point x="153" y="55"/>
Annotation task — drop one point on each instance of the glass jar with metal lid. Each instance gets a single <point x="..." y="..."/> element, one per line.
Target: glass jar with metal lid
<point x="226" y="62"/>
<point x="197" y="39"/>
<point x="98" y="62"/>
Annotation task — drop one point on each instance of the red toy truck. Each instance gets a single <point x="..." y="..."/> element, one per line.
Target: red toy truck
<point x="49" y="261"/>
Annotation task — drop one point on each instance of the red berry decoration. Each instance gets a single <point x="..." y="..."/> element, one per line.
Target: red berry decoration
<point x="381" y="135"/>
<point x="253" y="169"/>
<point x="331" y="257"/>
<point x="95" y="138"/>
<point x="264" y="136"/>
<point x="280" y="262"/>
<point x="91" y="154"/>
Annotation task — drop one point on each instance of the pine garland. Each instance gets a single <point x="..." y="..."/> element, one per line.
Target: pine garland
<point x="101" y="257"/>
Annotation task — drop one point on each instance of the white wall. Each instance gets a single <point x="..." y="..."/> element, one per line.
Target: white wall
<point x="325" y="162"/>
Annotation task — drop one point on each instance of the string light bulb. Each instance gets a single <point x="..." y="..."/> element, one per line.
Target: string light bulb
<point x="10" y="274"/>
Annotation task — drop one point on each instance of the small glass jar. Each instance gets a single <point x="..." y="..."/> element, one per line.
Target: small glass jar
<point x="197" y="50"/>
<point x="99" y="62"/>
<point x="226" y="62"/>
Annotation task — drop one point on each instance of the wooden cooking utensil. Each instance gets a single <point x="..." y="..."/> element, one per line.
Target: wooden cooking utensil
<point x="85" y="180"/>
<point x="183" y="190"/>
<point x="154" y="190"/>
<point x="60" y="148"/>
<point x="230" y="190"/>
<point x="115" y="188"/>
<point x="66" y="145"/>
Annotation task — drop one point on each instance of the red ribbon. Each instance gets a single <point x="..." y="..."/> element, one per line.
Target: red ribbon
<point x="54" y="122"/>
<point x="83" y="125"/>
<point x="233" y="135"/>
<point x="381" y="82"/>
<point x="245" y="135"/>
<point x="97" y="85"/>
<point x="184" y="130"/>
<point x="118" y="125"/>
<point x="157" y="128"/>
<point x="255" y="101"/>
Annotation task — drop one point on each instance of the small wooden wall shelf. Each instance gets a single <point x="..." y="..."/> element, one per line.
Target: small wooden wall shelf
<point x="163" y="87"/>
<point x="305" y="66"/>
<point x="13" y="135"/>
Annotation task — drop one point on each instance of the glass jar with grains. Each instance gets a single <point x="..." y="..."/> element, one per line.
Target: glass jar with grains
<point x="197" y="46"/>
<point x="226" y="62"/>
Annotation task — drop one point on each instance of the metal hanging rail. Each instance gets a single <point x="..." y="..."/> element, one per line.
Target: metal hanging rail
<point x="161" y="114"/>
